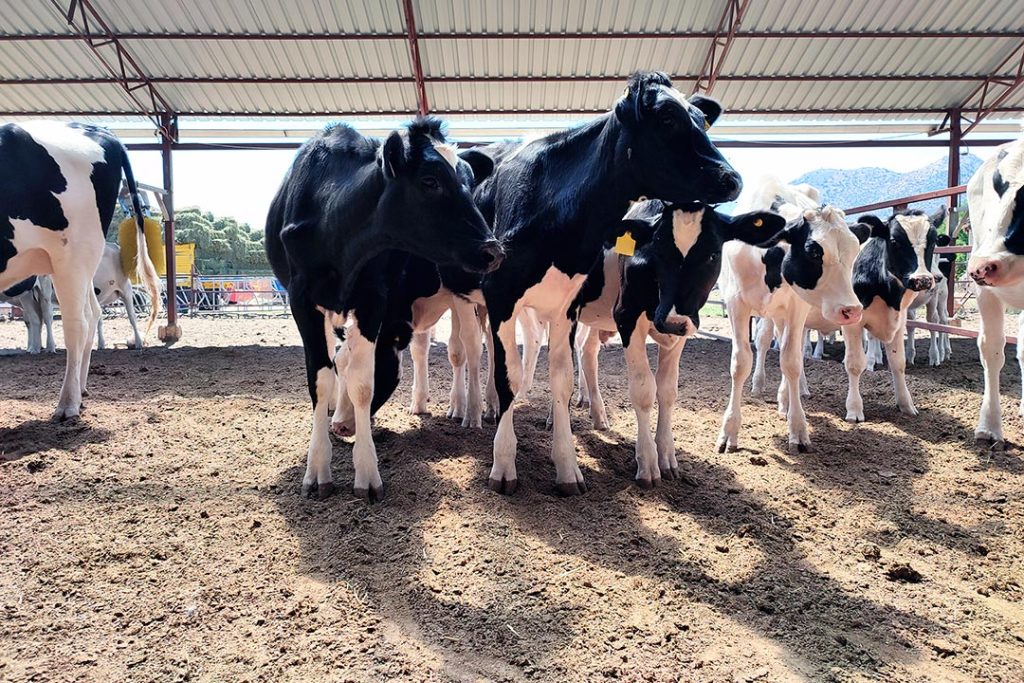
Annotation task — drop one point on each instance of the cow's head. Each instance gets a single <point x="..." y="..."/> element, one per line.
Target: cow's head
<point x="819" y="263"/>
<point x="426" y="206"/>
<point x="684" y="245"/>
<point x="668" y="150"/>
<point x="996" y="196"/>
<point x="910" y="238"/>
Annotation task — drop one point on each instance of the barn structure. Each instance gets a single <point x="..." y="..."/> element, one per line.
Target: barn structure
<point x="862" y="73"/>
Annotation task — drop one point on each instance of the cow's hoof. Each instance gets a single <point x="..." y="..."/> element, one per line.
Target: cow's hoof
<point x="854" y="418"/>
<point x="66" y="414"/>
<point x="988" y="440"/>
<point x="371" y="494"/>
<point x="571" y="488"/>
<point x="908" y="410"/>
<point x="416" y="410"/>
<point x="469" y="422"/>
<point x="324" y="490"/>
<point x="646" y="483"/>
<point x="504" y="486"/>
<point x="800" y="447"/>
<point x="340" y="429"/>
<point x="670" y="473"/>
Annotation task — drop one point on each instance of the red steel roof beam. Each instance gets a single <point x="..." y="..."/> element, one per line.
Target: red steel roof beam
<point x="414" y="53"/>
<point x="720" y="44"/>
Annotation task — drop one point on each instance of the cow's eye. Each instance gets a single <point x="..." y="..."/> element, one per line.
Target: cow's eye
<point x="430" y="183"/>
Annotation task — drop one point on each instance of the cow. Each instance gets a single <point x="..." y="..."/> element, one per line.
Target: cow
<point x="812" y="272"/>
<point x="658" y="293"/>
<point x="995" y="199"/>
<point x="894" y="265"/>
<point x="934" y="303"/>
<point x="110" y="284"/>
<point x="34" y="296"/>
<point x="338" y="230"/>
<point x="59" y="183"/>
<point x="552" y="200"/>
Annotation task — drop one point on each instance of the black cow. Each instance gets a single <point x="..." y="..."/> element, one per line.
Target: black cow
<point x="336" y="232"/>
<point x="894" y="266"/>
<point x="58" y="187"/>
<point x="552" y="202"/>
<point x="658" y="292"/>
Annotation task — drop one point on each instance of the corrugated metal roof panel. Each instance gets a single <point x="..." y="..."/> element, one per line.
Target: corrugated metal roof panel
<point x="274" y="58"/>
<point x="881" y="15"/>
<point x="291" y="98"/>
<point x="560" y="16"/>
<point x="64" y="59"/>
<point x="256" y="16"/>
<point x="45" y="98"/>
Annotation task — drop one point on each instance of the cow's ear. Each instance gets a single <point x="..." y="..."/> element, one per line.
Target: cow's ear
<point x="392" y="158"/>
<point x="862" y="231"/>
<point x="481" y="164"/>
<point x="938" y="217"/>
<point x="709" y="107"/>
<point x="878" y="227"/>
<point x="753" y="228"/>
<point x="942" y="240"/>
<point x="642" y="229"/>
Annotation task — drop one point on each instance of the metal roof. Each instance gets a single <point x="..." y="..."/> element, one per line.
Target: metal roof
<point x="773" y="60"/>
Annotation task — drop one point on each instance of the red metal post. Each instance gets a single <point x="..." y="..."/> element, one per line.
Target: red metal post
<point x="953" y="180"/>
<point x="720" y="44"/>
<point x="168" y="136"/>
<point x="414" y="54"/>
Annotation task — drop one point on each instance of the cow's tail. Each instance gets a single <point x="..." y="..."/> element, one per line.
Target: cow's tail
<point x="144" y="267"/>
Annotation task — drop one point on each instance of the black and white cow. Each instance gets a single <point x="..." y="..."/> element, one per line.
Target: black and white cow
<point x="338" y="231"/>
<point x="111" y="284"/>
<point x="658" y="293"/>
<point x="552" y="203"/>
<point x="34" y="296"/>
<point x="894" y="265"/>
<point x="58" y="187"/>
<point x="995" y="197"/>
<point x="811" y="270"/>
<point x="934" y="303"/>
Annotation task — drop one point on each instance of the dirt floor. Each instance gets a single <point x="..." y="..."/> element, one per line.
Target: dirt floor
<point x="162" y="537"/>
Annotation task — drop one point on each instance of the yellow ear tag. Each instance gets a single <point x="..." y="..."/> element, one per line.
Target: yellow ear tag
<point x="758" y="222"/>
<point x="707" y="126"/>
<point x="625" y="245"/>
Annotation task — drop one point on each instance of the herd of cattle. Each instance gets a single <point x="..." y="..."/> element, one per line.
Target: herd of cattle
<point x="607" y="228"/>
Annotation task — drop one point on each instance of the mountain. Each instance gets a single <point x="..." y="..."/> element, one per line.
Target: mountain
<point x="858" y="186"/>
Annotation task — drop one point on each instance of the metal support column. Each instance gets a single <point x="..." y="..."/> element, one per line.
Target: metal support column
<point x="168" y="136"/>
<point x="953" y="180"/>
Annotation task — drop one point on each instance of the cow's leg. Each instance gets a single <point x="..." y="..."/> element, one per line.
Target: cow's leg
<point x="129" y="306"/>
<point x="642" y="390"/>
<point x="101" y="342"/>
<point x="419" y="348"/>
<point x="762" y="342"/>
<point x="792" y="362"/>
<point x="898" y="367"/>
<point x="855" y="361"/>
<point x="909" y="351"/>
<point x="945" y="348"/>
<point x="73" y="285"/>
<point x="343" y="422"/>
<point x="667" y="379"/>
<point x="503" y="477"/>
<point x="583" y="333"/>
<point x="45" y="294"/>
<point x="533" y="336"/>
<point x="588" y="370"/>
<point x="320" y="382"/>
<point x="819" y="352"/>
<point x="93" y="313"/>
<point x="568" y="478"/>
<point x="739" y="368"/>
<point x="491" y="392"/>
<point x="457" y="359"/>
<point x="991" y="347"/>
<point x="473" y="343"/>
<point x="359" y="382"/>
<point x="31" y="314"/>
<point x="1020" y="357"/>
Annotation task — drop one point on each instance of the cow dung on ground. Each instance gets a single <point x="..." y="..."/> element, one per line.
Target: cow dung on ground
<point x="162" y="537"/>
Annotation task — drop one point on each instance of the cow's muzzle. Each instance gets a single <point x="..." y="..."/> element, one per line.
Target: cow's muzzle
<point x="493" y="255"/>
<point x="920" y="283"/>
<point x="679" y="325"/>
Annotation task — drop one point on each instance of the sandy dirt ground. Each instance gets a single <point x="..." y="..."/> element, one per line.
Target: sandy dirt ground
<point x="162" y="537"/>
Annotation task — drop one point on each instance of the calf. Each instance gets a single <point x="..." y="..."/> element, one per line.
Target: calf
<point x="812" y="271"/>
<point x="934" y="303"/>
<point x="58" y="186"/>
<point x="893" y="266"/>
<point x="995" y="198"/>
<point x="658" y="293"/>
<point x="110" y="284"/>
<point x="338" y="231"/>
<point x="34" y="296"/>
<point x="552" y="200"/>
